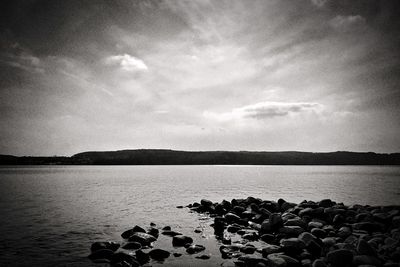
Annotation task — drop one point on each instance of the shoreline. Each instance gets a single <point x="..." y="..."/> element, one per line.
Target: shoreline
<point x="255" y="232"/>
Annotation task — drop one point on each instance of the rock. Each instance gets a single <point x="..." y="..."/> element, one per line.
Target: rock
<point x="291" y="230"/>
<point x="364" y="248"/>
<point x="326" y="203"/>
<point x="265" y="227"/>
<point x="268" y="238"/>
<point x="296" y="222"/>
<point x="176" y="254"/>
<point x="344" y="232"/>
<point x="314" y="224"/>
<point x="142" y="257"/>
<point x="153" y="231"/>
<point x="231" y="218"/>
<point x="159" y="254"/>
<point x="275" y="221"/>
<point x="219" y="224"/>
<point x="195" y="249"/>
<point x="248" y="249"/>
<point x="179" y="207"/>
<point x="306" y="237"/>
<point x="396" y="221"/>
<point x="329" y="241"/>
<point x="127" y="234"/>
<point x="319" y="263"/>
<point x="314" y="248"/>
<point x="270" y="249"/>
<point x="104" y="245"/>
<point x="203" y="257"/>
<point x="367" y="226"/>
<point x="306" y="212"/>
<point x="121" y="257"/>
<point x="306" y="263"/>
<point x="170" y="233"/>
<point x="366" y="260"/>
<point x="275" y="260"/>
<point x="253" y="260"/>
<point x="166" y="228"/>
<point x="206" y="203"/>
<point x="292" y="243"/>
<point x="142" y="238"/>
<point x="251" y="236"/>
<point x="101" y="254"/>
<point x="197" y="231"/>
<point x="238" y="210"/>
<point x="320" y="233"/>
<point x="181" y="240"/>
<point x="132" y="245"/>
<point x="233" y="228"/>
<point x="340" y="257"/>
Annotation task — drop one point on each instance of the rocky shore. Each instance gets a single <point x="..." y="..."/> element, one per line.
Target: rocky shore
<point x="255" y="232"/>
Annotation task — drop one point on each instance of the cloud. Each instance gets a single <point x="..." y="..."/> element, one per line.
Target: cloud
<point x="266" y="110"/>
<point x="345" y="22"/>
<point x="319" y="3"/>
<point x="127" y="62"/>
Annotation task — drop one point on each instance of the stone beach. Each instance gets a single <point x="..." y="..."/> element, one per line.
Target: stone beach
<point x="256" y="232"/>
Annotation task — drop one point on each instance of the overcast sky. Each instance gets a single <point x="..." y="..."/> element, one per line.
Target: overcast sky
<point x="307" y="75"/>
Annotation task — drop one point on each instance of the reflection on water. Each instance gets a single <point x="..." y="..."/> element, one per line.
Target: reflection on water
<point x="51" y="214"/>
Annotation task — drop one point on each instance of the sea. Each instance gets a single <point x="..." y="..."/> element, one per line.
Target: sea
<point x="50" y="215"/>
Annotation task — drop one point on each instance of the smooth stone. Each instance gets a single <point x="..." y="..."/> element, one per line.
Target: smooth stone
<point x="329" y="241"/>
<point x="143" y="238"/>
<point x="153" y="231"/>
<point x="142" y="257"/>
<point x="248" y="249"/>
<point x="170" y="233"/>
<point x="104" y="245"/>
<point x="275" y="260"/>
<point x="296" y="222"/>
<point x="195" y="249"/>
<point x="319" y="263"/>
<point x="181" y="240"/>
<point x="366" y="260"/>
<point x="326" y="203"/>
<point x="344" y="231"/>
<point x="270" y="249"/>
<point x="307" y="237"/>
<point x="159" y="254"/>
<point x="233" y="228"/>
<point x="364" y="248"/>
<point x="314" y="248"/>
<point x="166" y="228"/>
<point x="101" y="254"/>
<point x="203" y="257"/>
<point x="206" y="202"/>
<point x="132" y="245"/>
<point x="314" y="224"/>
<point x="251" y="236"/>
<point x="340" y="257"/>
<point x="294" y="243"/>
<point x="230" y="217"/>
<point x="267" y="238"/>
<point x="176" y="254"/>
<point x="275" y="221"/>
<point x="367" y="226"/>
<point x="121" y="257"/>
<point x="318" y="232"/>
<point x="138" y="229"/>
<point x="253" y="260"/>
<point x="291" y="230"/>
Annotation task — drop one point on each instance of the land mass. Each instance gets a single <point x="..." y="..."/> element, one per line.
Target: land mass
<point x="174" y="157"/>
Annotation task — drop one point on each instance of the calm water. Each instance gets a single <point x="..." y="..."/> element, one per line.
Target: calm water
<point x="51" y="214"/>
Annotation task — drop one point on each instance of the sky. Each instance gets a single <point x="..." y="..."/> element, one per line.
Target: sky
<point x="273" y="75"/>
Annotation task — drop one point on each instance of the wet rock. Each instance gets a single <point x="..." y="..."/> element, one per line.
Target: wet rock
<point x="142" y="257"/>
<point x="275" y="221"/>
<point x="142" y="238"/>
<point x="291" y="230"/>
<point x="181" y="240"/>
<point x="166" y="228"/>
<point x="203" y="257"/>
<point x="177" y="255"/>
<point x="366" y="260"/>
<point x="364" y="248"/>
<point x="233" y="228"/>
<point x="195" y="249"/>
<point x="296" y="222"/>
<point x="153" y="231"/>
<point x="231" y="218"/>
<point x="268" y="238"/>
<point x="292" y="244"/>
<point x="314" y="224"/>
<point x="122" y="257"/>
<point x="253" y="260"/>
<point x="219" y="224"/>
<point x="104" y="245"/>
<point x="170" y="233"/>
<point x="248" y="249"/>
<point x="326" y="203"/>
<point x="319" y="263"/>
<point x="307" y="237"/>
<point x="206" y="203"/>
<point x="101" y="254"/>
<point x="159" y="254"/>
<point x="132" y="245"/>
<point x="275" y="260"/>
<point x="340" y="257"/>
<point x="344" y="231"/>
<point x="270" y="249"/>
<point x="367" y="226"/>
<point x="320" y="233"/>
<point x="251" y="236"/>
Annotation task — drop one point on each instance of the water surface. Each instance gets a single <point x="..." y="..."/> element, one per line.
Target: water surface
<point x="51" y="214"/>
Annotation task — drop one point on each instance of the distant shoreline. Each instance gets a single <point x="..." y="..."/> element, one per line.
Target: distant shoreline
<point x="174" y="157"/>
